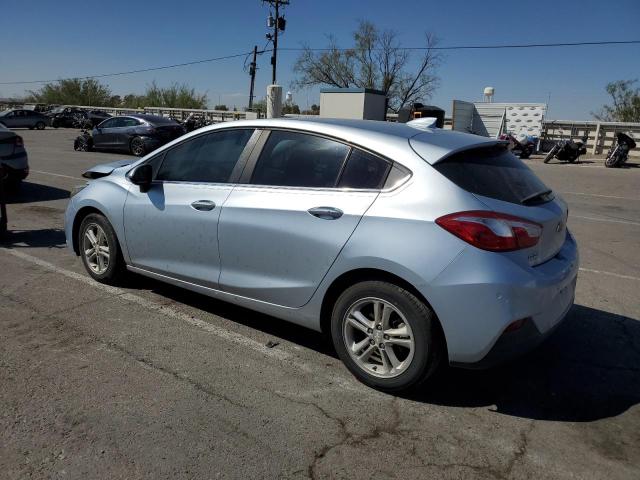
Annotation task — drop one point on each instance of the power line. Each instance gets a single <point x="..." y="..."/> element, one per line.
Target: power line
<point x="292" y="49"/>
<point x="481" y="47"/>
<point x="129" y="72"/>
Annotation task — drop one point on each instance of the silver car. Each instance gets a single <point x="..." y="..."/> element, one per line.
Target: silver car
<point x="411" y="247"/>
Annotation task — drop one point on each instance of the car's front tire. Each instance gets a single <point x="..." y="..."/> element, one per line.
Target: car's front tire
<point x="40" y="126"/>
<point x="100" y="250"/>
<point x="386" y="336"/>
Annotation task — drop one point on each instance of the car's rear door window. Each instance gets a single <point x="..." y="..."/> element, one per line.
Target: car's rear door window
<point x="206" y="158"/>
<point x="364" y="171"/>
<point x="299" y="160"/>
<point x="494" y="172"/>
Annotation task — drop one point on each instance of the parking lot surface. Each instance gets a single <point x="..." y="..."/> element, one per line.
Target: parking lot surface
<point x="151" y="381"/>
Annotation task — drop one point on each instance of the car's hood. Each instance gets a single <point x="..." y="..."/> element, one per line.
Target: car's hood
<point x="105" y="169"/>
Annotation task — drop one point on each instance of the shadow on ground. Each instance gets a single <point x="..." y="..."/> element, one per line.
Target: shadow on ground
<point x="35" y="192"/>
<point x="47" y="237"/>
<point x="588" y="370"/>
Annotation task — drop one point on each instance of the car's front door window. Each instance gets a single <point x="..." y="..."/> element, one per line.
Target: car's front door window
<point x="207" y="158"/>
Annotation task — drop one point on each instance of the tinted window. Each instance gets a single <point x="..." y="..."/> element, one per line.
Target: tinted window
<point x="129" y="122"/>
<point x="109" y="123"/>
<point x="364" y="170"/>
<point x="206" y="158"/>
<point x="494" y="172"/>
<point x="300" y="160"/>
<point x="155" y="163"/>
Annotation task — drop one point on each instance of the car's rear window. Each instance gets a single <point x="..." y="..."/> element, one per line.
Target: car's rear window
<point x="496" y="173"/>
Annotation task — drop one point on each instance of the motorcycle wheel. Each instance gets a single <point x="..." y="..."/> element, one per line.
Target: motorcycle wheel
<point x="611" y="161"/>
<point x="551" y="154"/>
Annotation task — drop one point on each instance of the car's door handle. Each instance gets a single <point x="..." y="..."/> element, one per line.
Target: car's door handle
<point x="203" y="205"/>
<point x="326" y="213"/>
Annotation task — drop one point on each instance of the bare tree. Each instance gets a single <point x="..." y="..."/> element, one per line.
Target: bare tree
<point x="377" y="60"/>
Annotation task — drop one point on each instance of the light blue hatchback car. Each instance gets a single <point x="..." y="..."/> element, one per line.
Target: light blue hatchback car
<point x="410" y="246"/>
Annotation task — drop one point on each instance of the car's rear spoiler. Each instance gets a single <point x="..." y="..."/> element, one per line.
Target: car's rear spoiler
<point x="105" y="169"/>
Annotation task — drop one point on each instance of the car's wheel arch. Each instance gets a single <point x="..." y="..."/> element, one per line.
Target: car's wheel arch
<point x="77" y="221"/>
<point x="351" y="277"/>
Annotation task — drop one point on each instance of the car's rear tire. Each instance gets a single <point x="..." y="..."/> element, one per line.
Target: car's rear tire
<point x="40" y="126"/>
<point x="136" y="146"/>
<point x="387" y="337"/>
<point x="100" y="250"/>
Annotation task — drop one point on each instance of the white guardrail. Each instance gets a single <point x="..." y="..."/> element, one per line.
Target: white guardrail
<point x="600" y="135"/>
<point x="178" y="113"/>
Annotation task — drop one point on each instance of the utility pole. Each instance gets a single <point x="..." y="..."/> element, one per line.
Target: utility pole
<point x="252" y="72"/>
<point x="278" y="23"/>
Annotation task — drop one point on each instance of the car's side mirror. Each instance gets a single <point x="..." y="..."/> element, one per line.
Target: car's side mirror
<point x="143" y="176"/>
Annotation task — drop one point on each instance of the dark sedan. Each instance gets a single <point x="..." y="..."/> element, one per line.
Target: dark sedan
<point x="13" y="157"/>
<point x="23" y="118"/>
<point x="138" y="134"/>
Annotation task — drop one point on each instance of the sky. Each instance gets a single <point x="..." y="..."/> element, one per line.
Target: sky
<point x="46" y="39"/>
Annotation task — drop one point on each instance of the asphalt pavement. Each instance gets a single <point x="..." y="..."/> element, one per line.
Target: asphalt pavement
<point x="151" y="381"/>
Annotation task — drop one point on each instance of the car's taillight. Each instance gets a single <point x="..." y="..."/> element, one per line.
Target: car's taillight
<point x="493" y="231"/>
<point x="18" y="142"/>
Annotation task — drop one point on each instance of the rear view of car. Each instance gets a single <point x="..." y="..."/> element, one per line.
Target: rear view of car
<point x="520" y="275"/>
<point x="13" y="157"/>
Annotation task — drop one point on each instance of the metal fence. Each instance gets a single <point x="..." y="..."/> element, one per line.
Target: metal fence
<point x="600" y="135"/>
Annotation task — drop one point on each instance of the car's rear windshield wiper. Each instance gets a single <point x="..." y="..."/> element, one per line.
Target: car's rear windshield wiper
<point x="542" y="196"/>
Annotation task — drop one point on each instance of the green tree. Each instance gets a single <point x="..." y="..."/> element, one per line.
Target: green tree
<point x="224" y="108"/>
<point x="291" y="109"/>
<point x="73" y="91"/>
<point x="174" y="96"/>
<point x="626" y="103"/>
<point x="376" y="60"/>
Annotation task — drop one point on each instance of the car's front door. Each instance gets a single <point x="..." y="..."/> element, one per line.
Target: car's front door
<point x="281" y="229"/>
<point x="172" y="229"/>
<point x="102" y="135"/>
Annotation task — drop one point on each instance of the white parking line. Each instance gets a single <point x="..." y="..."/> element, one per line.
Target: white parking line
<point x="168" y="311"/>
<point x="611" y="274"/>
<point x="56" y="175"/>
<point x="601" y="196"/>
<point x="594" y="219"/>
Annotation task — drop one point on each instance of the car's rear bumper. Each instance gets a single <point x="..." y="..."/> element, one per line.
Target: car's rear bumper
<point x="480" y="295"/>
<point x="512" y="344"/>
<point x="16" y="166"/>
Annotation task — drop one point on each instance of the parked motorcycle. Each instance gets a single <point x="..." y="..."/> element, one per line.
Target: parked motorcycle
<point x="522" y="147"/>
<point x="567" y="150"/>
<point x="619" y="151"/>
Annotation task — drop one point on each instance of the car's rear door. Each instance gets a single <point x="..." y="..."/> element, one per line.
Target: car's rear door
<point x="284" y="225"/>
<point x="172" y="229"/>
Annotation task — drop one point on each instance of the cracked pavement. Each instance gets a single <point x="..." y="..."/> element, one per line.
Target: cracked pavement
<point x="151" y="381"/>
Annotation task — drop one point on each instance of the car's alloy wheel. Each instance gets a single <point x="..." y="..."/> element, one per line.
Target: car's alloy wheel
<point x="378" y="337"/>
<point x="137" y="147"/>
<point x="386" y="336"/>
<point x="95" y="248"/>
<point x="100" y="251"/>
